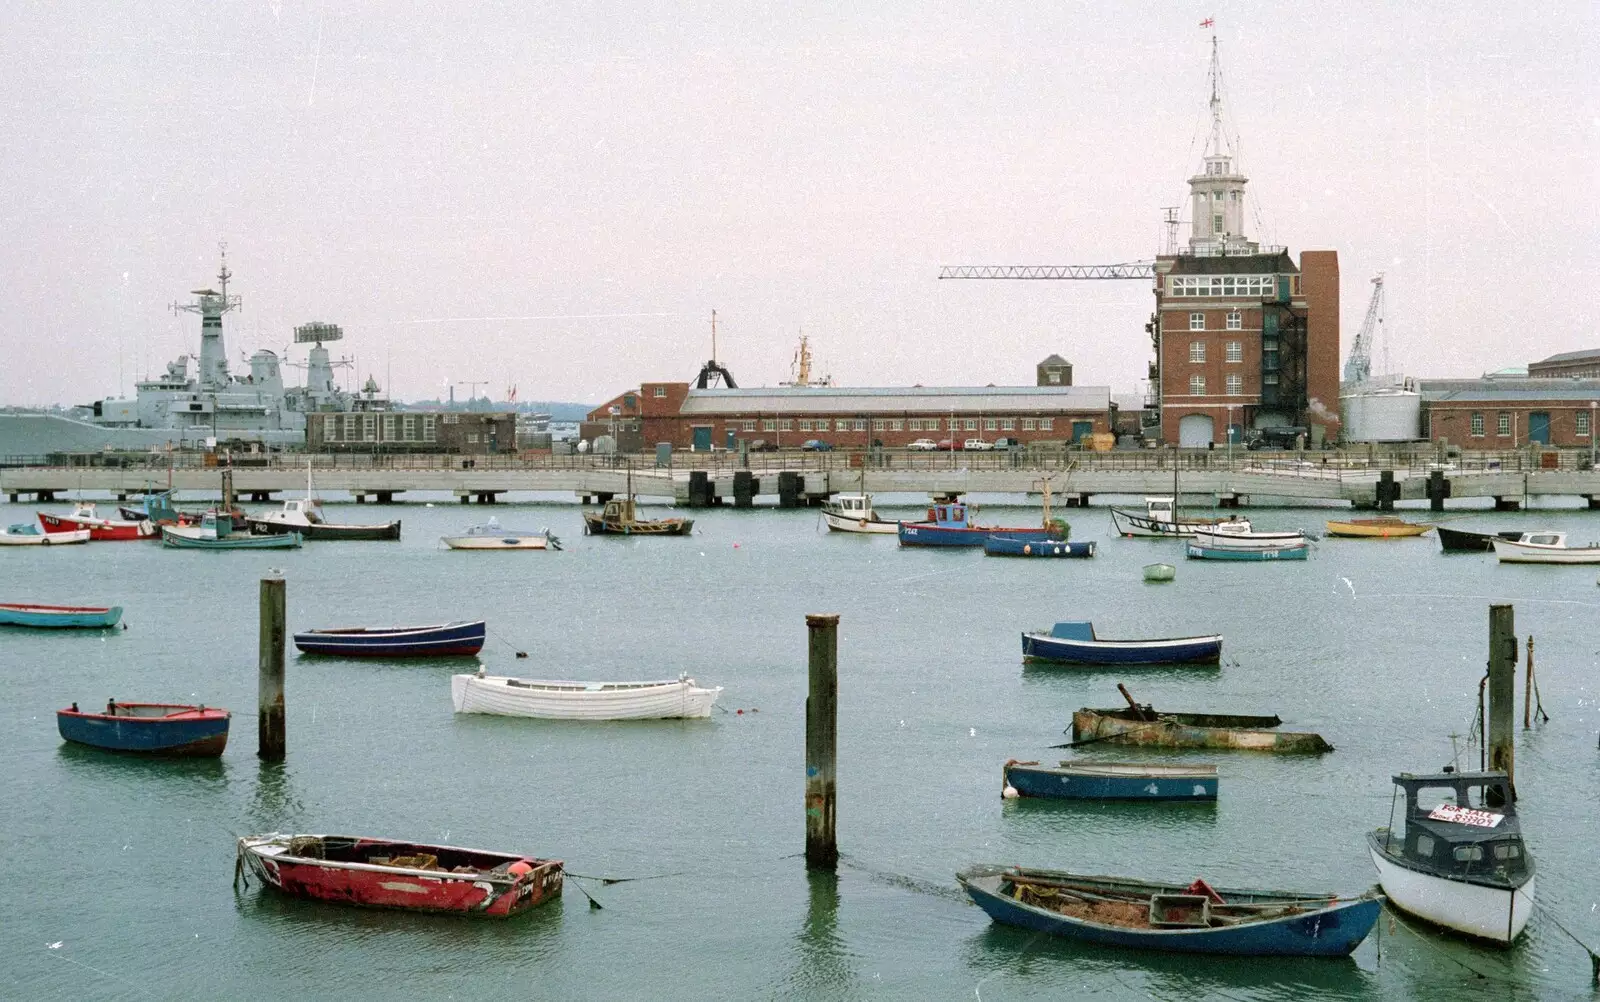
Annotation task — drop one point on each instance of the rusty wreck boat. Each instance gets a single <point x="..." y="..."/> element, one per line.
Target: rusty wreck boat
<point x="1145" y="726"/>
<point x="382" y="873"/>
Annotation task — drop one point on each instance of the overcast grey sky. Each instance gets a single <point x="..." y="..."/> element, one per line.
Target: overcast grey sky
<point x="629" y="168"/>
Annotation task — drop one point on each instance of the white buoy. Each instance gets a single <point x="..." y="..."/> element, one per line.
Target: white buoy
<point x="1010" y="792"/>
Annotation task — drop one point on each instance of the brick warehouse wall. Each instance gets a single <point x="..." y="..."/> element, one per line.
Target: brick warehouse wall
<point x="1319" y="284"/>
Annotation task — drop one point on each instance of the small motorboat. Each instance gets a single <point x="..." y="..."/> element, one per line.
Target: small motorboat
<point x="100" y="529"/>
<point x="1004" y="546"/>
<point x="553" y="700"/>
<point x="414" y="876"/>
<point x="1385" y="527"/>
<point x="1180" y="918"/>
<point x="304" y="515"/>
<point x="854" y="513"/>
<point x="216" y="532"/>
<point x="1159" y="573"/>
<point x="1085" y="779"/>
<point x="59" y="616"/>
<point x="28" y="534"/>
<point x="1458" y="859"/>
<point x="1075" y="642"/>
<point x="1160" y="519"/>
<point x="148" y="728"/>
<point x="492" y="536"/>
<point x="1142" y="725"/>
<point x="1544" y="547"/>
<point x="439" y="641"/>
<point x="1465" y="541"/>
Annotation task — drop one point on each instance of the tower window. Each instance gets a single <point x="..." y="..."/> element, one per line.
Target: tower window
<point x="1235" y="352"/>
<point x="1197" y="351"/>
<point x="1197" y="385"/>
<point x="1197" y="321"/>
<point x="1235" y="384"/>
<point x="1235" y="321"/>
<point x="1216" y="223"/>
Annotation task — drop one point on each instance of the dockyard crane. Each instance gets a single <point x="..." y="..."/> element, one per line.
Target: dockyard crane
<point x="472" y="385"/>
<point x="1358" y="367"/>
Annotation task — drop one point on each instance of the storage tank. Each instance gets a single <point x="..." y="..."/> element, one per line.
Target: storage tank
<point x="1386" y="409"/>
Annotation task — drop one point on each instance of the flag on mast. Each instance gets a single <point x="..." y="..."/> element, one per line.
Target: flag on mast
<point x="1208" y="22"/>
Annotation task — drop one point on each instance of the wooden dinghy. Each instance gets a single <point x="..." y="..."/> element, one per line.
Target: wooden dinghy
<point x="1144" y="726"/>
<point x="54" y="617"/>
<point x="26" y="534"/>
<point x="1387" y="527"/>
<point x="1075" y="642"/>
<point x="414" y="876"/>
<point x="1181" y="918"/>
<point x="148" y="728"/>
<point x="442" y="640"/>
<point x="556" y="700"/>
<point x="1083" y="779"/>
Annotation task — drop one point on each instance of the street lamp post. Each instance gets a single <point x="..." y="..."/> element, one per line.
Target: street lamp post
<point x="1230" y="435"/>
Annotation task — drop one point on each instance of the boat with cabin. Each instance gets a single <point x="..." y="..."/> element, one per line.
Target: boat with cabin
<point x="305" y="516"/>
<point x="1383" y="527"/>
<point x="1173" y="917"/>
<point x="620" y="517"/>
<point x="48" y="617"/>
<point x="28" y="534"/>
<point x="439" y="641"/>
<point x="1160" y="519"/>
<point x="1087" y="779"/>
<point x="854" y="513"/>
<point x="1466" y="541"/>
<point x="216" y="532"/>
<point x="948" y="524"/>
<point x="411" y="876"/>
<point x="1142" y="725"/>
<point x="493" y="536"/>
<point x="1544" y="547"/>
<point x="83" y="516"/>
<point x="559" y="700"/>
<point x="148" y="728"/>
<point x="1075" y="642"/>
<point x="1458" y="860"/>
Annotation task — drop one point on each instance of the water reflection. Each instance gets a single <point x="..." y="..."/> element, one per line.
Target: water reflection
<point x="821" y="962"/>
<point x="1049" y="673"/>
<point x="124" y="768"/>
<point x="1107" y="816"/>
<point x="275" y="803"/>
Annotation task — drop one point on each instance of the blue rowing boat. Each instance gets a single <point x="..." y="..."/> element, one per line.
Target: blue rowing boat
<point x="59" y="616"/>
<point x="1082" y="779"/>
<point x="1006" y="546"/>
<point x="1075" y="642"/>
<point x="442" y="640"/>
<point x="1294" y="552"/>
<point x="1179" y="918"/>
<point x="148" y="728"/>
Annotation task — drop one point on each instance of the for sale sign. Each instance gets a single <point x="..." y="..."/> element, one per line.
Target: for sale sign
<point x="1465" y="816"/>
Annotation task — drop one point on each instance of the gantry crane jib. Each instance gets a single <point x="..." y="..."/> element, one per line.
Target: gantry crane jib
<point x="1358" y="367"/>
<point x="1133" y="269"/>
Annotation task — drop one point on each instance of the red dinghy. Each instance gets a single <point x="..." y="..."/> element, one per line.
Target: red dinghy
<point x="381" y="873"/>
<point x="84" y="517"/>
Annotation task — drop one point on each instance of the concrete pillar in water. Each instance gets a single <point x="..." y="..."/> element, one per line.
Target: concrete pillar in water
<point x="822" y="699"/>
<point x="1502" y="690"/>
<point x="270" y="736"/>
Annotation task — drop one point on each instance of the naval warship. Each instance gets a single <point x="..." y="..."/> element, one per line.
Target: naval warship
<point x="211" y="406"/>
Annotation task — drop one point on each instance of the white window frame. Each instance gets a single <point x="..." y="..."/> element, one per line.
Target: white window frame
<point x="1477" y="424"/>
<point x="1235" y="320"/>
<point x="1030" y="424"/>
<point x="1197" y="351"/>
<point x="1502" y="428"/>
<point x="1047" y="424"/>
<point x="1233" y="351"/>
<point x="660" y="391"/>
<point x="1581" y="423"/>
<point x="1197" y="321"/>
<point x="1197" y="385"/>
<point x="1235" y="384"/>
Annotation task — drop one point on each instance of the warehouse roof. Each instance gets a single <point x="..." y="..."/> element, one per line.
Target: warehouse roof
<point x="1505" y="390"/>
<point x="1571" y="356"/>
<point x="892" y="399"/>
<point x="1278" y="263"/>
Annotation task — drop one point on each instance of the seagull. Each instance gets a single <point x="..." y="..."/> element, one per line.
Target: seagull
<point x="1348" y="584"/>
<point x="56" y="945"/>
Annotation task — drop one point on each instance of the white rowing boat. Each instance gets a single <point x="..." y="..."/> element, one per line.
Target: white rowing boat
<point x="557" y="700"/>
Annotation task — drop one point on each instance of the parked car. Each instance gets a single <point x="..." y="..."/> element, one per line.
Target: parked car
<point x="978" y="445"/>
<point x="817" y="445"/>
<point x="923" y="445"/>
<point x="1003" y="444"/>
<point x="948" y="445"/>
<point x="762" y="445"/>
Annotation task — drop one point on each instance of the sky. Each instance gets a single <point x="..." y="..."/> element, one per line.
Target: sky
<point x="557" y="196"/>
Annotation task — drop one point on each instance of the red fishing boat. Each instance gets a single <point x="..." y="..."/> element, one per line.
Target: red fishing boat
<point x="84" y="517"/>
<point x="381" y="873"/>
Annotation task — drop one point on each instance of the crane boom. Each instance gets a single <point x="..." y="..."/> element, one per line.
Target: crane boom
<point x="1132" y="269"/>
<point x="1358" y="367"/>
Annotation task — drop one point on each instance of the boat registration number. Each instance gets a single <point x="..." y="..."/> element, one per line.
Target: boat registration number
<point x="1465" y="816"/>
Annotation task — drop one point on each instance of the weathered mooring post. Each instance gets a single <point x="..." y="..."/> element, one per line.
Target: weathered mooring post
<point x="269" y="712"/>
<point x="822" y="704"/>
<point x="1502" y="690"/>
<point x="227" y="490"/>
<point x="1527" y="689"/>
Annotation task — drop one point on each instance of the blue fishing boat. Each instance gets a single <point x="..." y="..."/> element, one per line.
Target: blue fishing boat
<point x="1298" y="551"/>
<point x="1075" y="642"/>
<point x="214" y="533"/>
<point x="442" y="640"/>
<point x="1082" y="779"/>
<point x="948" y="524"/>
<point x="148" y="728"/>
<point x="59" y="616"/>
<point x="1180" y="918"/>
<point x="1004" y="546"/>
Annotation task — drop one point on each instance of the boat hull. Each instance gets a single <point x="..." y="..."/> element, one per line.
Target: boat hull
<point x="1332" y="930"/>
<point x="1110" y="782"/>
<point x="191" y="538"/>
<point x="1198" y="552"/>
<point x="54" y="617"/>
<point x="1169" y="731"/>
<point x="1004" y="546"/>
<point x="39" y="538"/>
<point x="1463" y="541"/>
<point x="1495" y="914"/>
<point x="482" y="893"/>
<point x="1132" y="523"/>
<point x="597" y="525"/>
<point x="100" y="530"/>
<point x="325" y="531"/>
<point x="444" y="640"/>
<point x="1159" y="572"/>
<point x="1509" y="552"/>
<point x="532" y="541"/>
<point x="1178" y="650"/>
<point x="1377" y="529"/>
<point x="852" y="523"/>
<point x="200" y="732"/>
<point x="924" y="534"/>
<point x="580" y="701"/>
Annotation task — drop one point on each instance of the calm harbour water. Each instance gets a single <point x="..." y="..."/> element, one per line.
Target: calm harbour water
<point x="117" y="871"/>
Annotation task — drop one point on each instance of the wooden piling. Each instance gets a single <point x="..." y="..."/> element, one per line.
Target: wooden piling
<point x="822" y="698"/>
<point x="1502" y="690"/>
<point x="1527" y="689"/>
<point x="227" y="491"/>
<point x="270" y="737"/>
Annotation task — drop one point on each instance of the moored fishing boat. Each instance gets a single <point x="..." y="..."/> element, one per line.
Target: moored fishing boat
<point x="948" y="524"/>
<point x="1385" y="527"/>
<point x="492" y="536"/>
<point x="27" y="534"/>
<point x="1544" y="548"/>
<point x="1004" y="546"/>
<point x="100" y="529"/>
<point x="442" y="640"/>
<point x="1236" y="536"/>
<point x="1458" y="859"/>
<point x="305" y="516"/>
<point x="1284" y="551"/>
<point x="1160" y="519"/>
<point x="413" y="876"/>
<point x="148" y="728"/>
<point x="1086" y="779"/>
<point x="558" y="700"/>
<point x="1465" y="541"/>
<point x="1183" y="918"/>
<point x="215" y="532"/>
<point x="1075" y="642"/>
<point x="854" y="513"/>
<point x="59" y="616"/>
<point x="1144" y="726"/>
